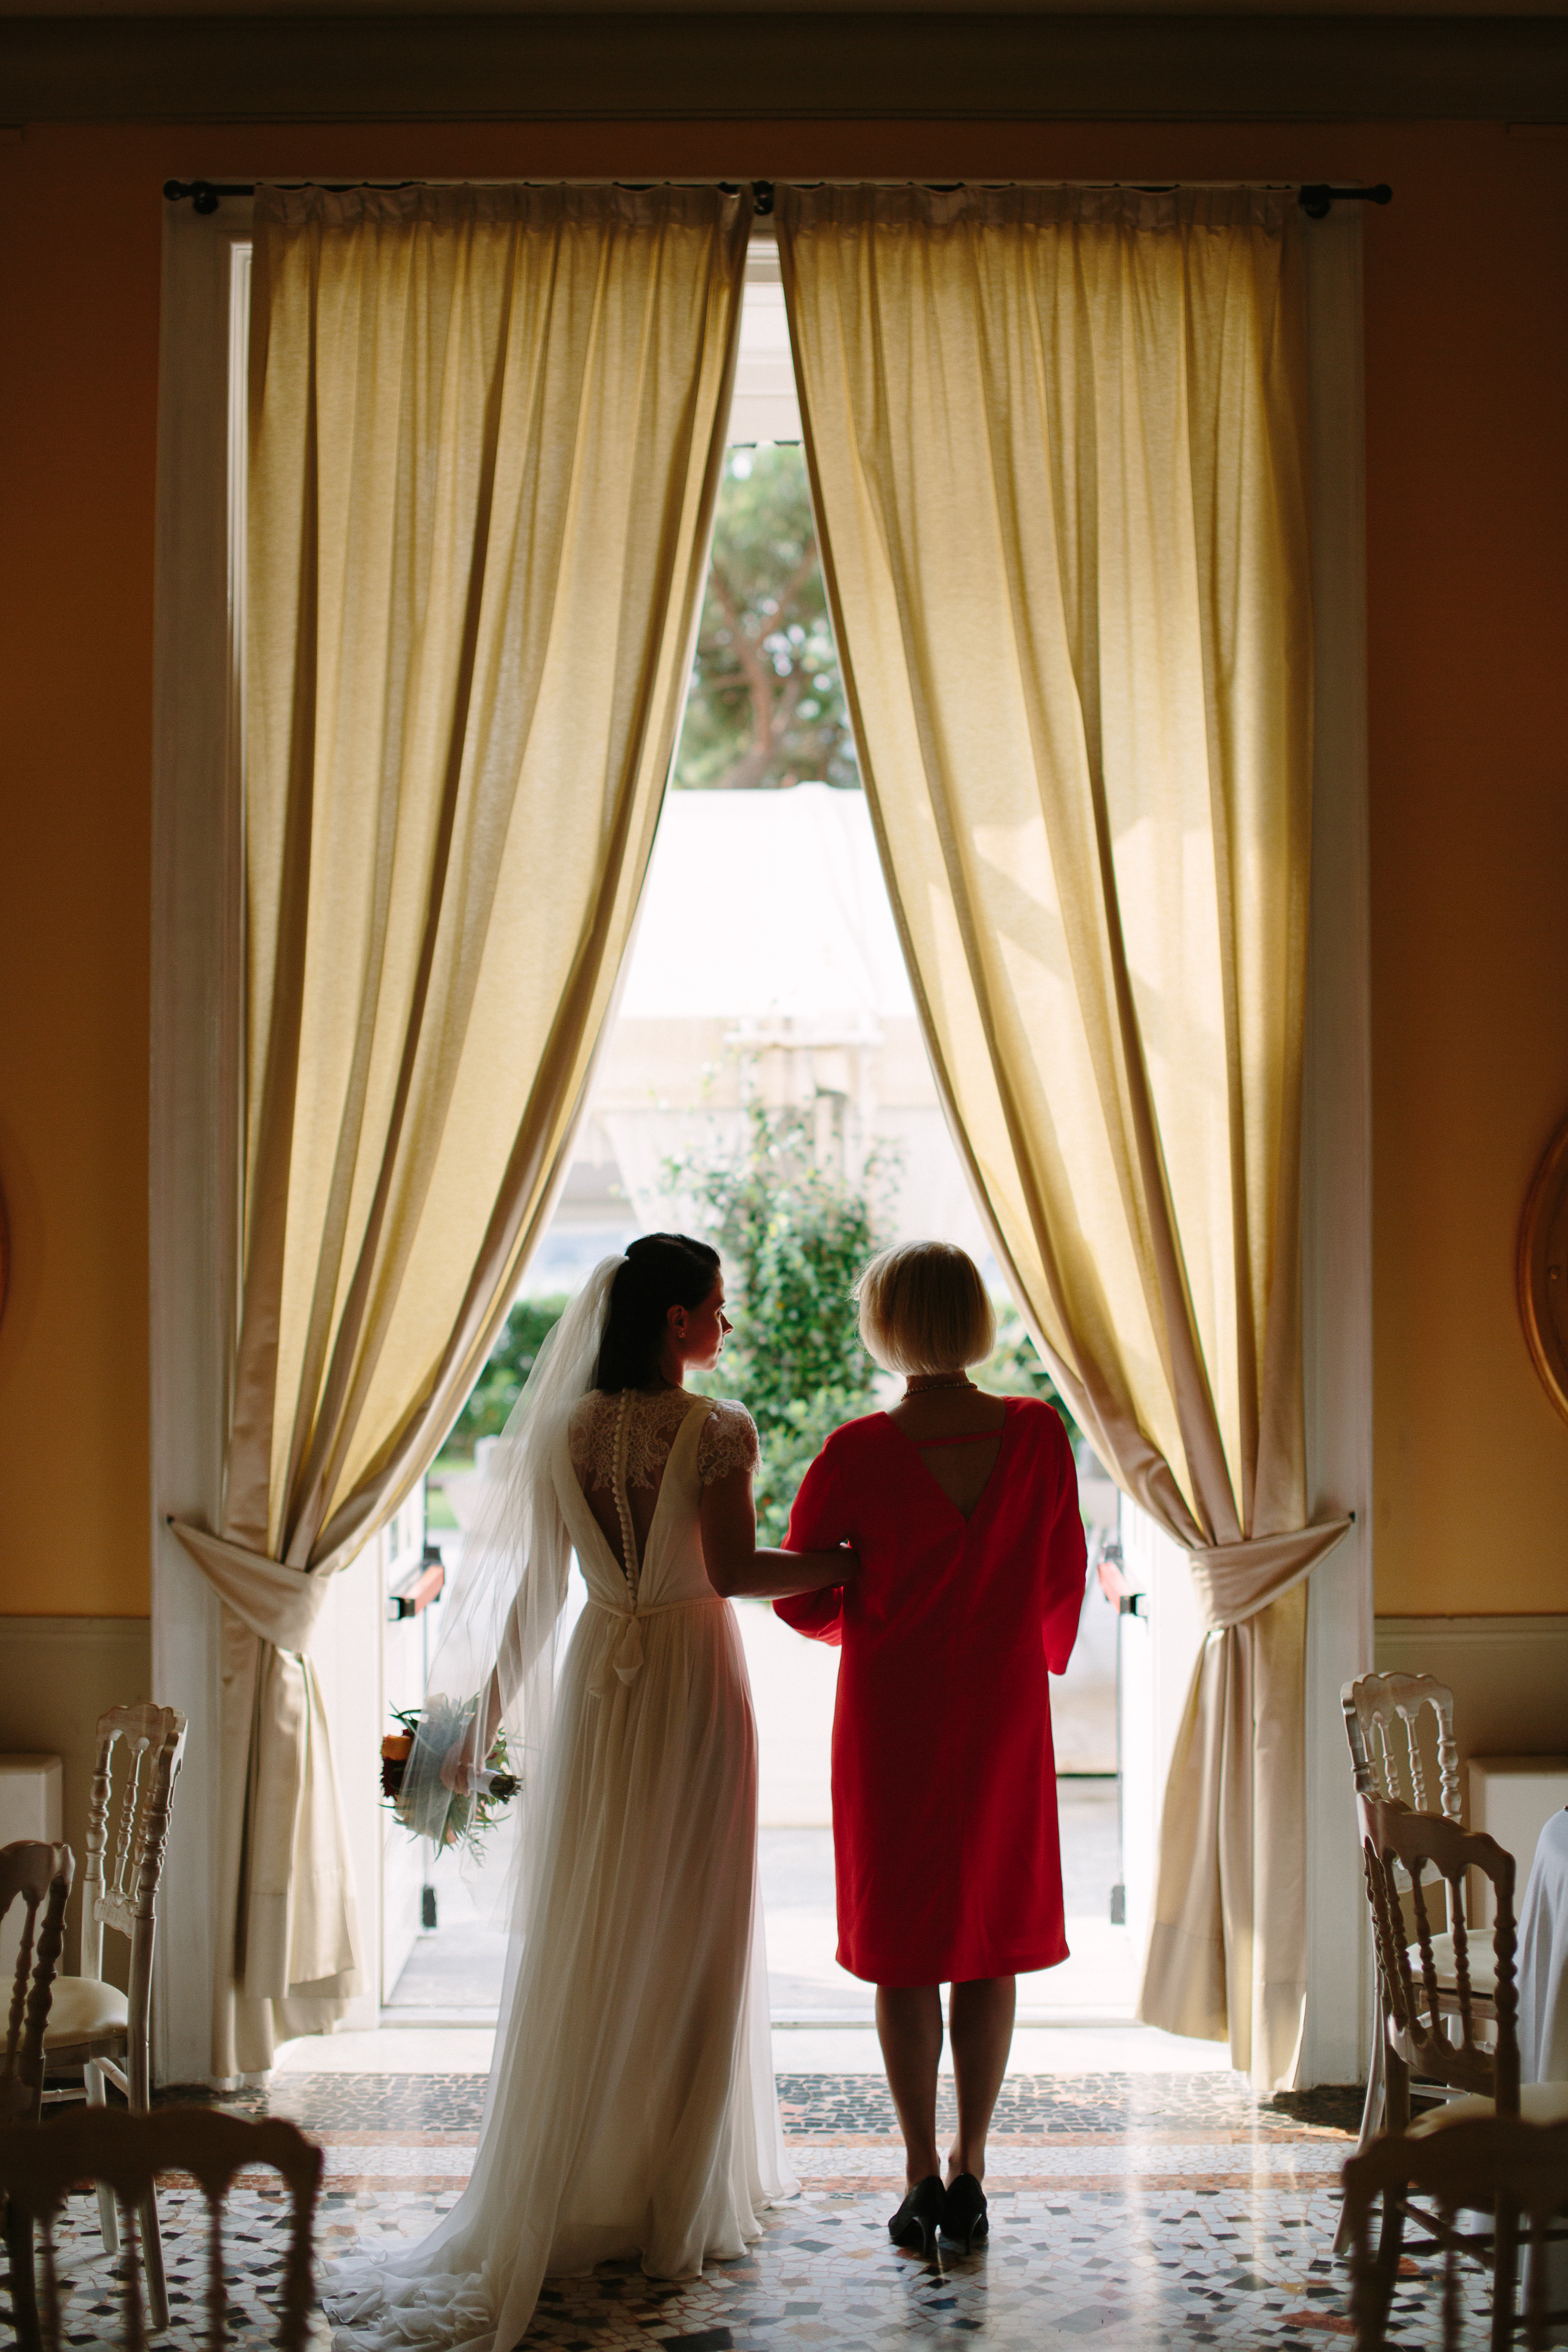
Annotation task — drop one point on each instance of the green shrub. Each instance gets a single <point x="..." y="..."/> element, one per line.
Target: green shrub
<point x="1014" y="1369"/>
<point x="794" y="1237"/>
<point x="500" y="1385"/>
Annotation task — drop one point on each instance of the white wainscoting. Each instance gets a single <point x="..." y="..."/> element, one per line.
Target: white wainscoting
<point x="1509" y="1677"/>
<point x="58" y="1675"/>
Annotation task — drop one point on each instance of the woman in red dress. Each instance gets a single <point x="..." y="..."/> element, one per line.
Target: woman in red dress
<point x="963" y="1511"/>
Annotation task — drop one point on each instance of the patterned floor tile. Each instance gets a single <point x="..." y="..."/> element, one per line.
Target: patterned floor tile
<point x="1131" y="2212"/>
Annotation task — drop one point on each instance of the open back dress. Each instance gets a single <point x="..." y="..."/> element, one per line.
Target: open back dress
<point x="631" y="2107"/>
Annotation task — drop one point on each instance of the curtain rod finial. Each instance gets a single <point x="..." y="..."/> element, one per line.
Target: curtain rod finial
<point x="1317" y="199"/>
<point x="204" y="196"/>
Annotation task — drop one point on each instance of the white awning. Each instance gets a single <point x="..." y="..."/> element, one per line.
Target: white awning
<point x="767" y="906"/>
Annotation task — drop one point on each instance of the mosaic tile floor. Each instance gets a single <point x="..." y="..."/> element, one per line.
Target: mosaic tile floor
<point x="1139" y="2210"/>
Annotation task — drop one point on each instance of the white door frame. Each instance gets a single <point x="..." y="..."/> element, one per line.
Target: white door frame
<point x="1336" y="1246"/>
<point x="196" y="1005"/>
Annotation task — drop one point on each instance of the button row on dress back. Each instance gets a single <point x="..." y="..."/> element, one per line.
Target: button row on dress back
<point x="623" y="1506"/>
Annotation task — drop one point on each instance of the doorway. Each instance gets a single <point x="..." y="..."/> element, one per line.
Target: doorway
<point x="787" y="1003"/>
<point x="195" y="1089"/>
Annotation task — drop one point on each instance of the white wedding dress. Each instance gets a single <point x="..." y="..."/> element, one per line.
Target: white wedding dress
<point x="631" y="2107"/>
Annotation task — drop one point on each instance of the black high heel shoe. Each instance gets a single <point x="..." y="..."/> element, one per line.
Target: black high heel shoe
<point x="963" y="2221"/>
<point x="919" y="2218"/>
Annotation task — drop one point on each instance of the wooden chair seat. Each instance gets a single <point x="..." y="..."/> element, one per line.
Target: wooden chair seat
<point x="84" y="2009"/>
<point x="41" y="2165"/>
<point x="1539" y="2103"/>
<point x="1515" y="2170"/>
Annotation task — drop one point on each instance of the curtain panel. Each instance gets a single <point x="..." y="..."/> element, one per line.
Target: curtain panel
<point x="486" y="431"/>
<point x="1057" y="444"/>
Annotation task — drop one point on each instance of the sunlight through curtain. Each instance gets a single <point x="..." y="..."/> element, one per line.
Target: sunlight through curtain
<point x="1057" y="444"/>
<point x="487" y="425"/>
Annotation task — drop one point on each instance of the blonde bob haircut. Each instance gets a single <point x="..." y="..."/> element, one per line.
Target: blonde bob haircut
<point x="923" y="1308"/>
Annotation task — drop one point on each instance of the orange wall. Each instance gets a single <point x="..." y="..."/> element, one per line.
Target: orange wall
<point x="1467" y="475"/>
<point x="79" y="288"/>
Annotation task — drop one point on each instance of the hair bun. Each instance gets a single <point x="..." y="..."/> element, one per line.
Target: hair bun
<point x="659" y="1271"/>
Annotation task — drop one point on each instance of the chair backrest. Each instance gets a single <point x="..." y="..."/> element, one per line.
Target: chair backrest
<point x="1494" y="2164"/>
<point x="38" y="1876"/>
<point x="40" y="2164"/>
<point x="128" y="1827"/>
<point x="1382" y="1726"/>
<point x="1402" y="1850"/>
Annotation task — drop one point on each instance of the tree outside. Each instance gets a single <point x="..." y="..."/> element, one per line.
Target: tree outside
<point x="766" y="707"/>
<point x="794" y="1236"/>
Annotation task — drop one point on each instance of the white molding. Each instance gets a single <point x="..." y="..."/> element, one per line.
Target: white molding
<point x="193" y="1176"/>
<point x="1467" y="1633"/>
<point x="76" y="1633"/>
<point x="1509" y="1677"/>
<point x="1337" y="1154"/>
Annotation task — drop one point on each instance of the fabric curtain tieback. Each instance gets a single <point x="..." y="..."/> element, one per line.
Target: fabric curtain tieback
<point x="626" y="1657"/>
<point x="1234" y="1581"/>
<point x="279" y="1604"/>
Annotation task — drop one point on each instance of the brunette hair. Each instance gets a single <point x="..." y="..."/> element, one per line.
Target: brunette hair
<point x="923" y="1308"/>
<point x="661" y="1271"/>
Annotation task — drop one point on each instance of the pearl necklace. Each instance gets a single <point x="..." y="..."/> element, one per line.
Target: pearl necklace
<point x="917" y="1383"/>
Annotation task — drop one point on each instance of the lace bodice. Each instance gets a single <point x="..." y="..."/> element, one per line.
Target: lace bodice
<point x="728" y="1442"/>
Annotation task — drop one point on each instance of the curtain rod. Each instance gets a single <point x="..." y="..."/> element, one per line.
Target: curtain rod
<point x="1315" y="196"/>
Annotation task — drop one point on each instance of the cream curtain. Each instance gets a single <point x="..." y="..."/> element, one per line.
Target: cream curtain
<point x="486" y="431"/>
<point x="1057" y="444"/>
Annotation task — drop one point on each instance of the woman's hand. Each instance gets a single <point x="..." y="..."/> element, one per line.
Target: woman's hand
<point x="457" y="1768"/>
<point x="465" y="1760"/>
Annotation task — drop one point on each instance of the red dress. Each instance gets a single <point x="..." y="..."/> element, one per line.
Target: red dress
<point x="944" y="1793"/>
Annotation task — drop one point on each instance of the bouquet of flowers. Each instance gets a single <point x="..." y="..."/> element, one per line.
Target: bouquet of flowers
<point x="422" y="1803"/>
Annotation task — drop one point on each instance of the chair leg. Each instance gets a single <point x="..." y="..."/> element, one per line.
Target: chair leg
<point x="1505" y="2277"/>
<point x="1371" y="2125"/>
<point x="139" y="2074"/>
<point x="108" y="2220"/>
<point x="24" y="2285"/>
<point x="1390" y="2247"/>
<point x="1390" y="2233"/>
<point x="153" y="2259"/>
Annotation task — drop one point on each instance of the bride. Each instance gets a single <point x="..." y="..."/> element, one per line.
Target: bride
<point x="631" y="2106"/>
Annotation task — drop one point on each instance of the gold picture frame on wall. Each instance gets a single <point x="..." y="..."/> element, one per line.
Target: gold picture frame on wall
<point x="1543" y="1270"/>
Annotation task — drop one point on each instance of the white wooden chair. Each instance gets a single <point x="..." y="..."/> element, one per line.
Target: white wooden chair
<point x="92" y="2024"/>
<point x="41" y="2165"/>
<point x="1384" y="1726"/>
<point x="38" y="1876"/>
